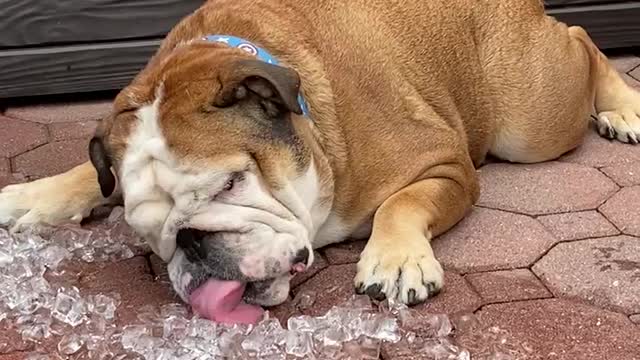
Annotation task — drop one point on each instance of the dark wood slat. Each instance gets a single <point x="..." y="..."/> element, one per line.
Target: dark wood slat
<point x="37" y="22"/>
<point x="111" y="65"/>
<point x="610" y="25"/>
<point x="557" y="3"/>
<point x="72" y="69"/>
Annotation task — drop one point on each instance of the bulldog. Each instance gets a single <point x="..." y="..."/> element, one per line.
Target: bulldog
<point x="264" y="129"/>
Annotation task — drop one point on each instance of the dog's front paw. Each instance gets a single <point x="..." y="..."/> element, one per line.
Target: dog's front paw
<point x="409" y="275"/>
<point x="44" y="201"/>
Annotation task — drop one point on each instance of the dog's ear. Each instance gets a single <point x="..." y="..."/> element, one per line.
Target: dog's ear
<point x="273" y="83"/>
<point x="102" y="163"/>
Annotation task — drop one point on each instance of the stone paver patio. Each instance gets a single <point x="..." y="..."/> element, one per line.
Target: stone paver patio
<point x="550" y="255"/>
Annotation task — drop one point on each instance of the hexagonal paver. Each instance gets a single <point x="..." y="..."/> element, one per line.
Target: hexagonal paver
<point x="623" y="211"/>
<point x="62" y="112"/>
<point x="632" y="80"/>
<point x="5" y="166"/>
<point x="635" y="74"/>
<point x="492" y="240"/>
<point x="543" y="188"/>
<point x="507" y="285"/>
<point x="73" y="130"/>
<point x="7" y="179"/>
<point x="623" y="175"/>
<point x="598" y="152"/>
<point x="624" y="63"/>
<point x="132" y="280"/>
<point x="604" y="272"/>
<point x="554" y="329"/>
<point x="578" y="225"/>
<point x="52" y="158"/>
<point x="334" y="286"/>
<point x="345" y="253"/>
<point x="18" y="136"/>
<point x="319" y="264"/>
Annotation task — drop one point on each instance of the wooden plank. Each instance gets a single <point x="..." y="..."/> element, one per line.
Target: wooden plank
<point x="38" y="22"/>
<point x="610" y="25"/>
<point x="72" y="69"/>
<point x="558" y="3"/>
<point x="111" y="65"/>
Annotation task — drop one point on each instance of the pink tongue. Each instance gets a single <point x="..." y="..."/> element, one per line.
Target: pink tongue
<point x="221" y="301"/>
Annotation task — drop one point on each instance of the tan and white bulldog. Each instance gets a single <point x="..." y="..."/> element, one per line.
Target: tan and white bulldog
<point x="227" y="178"/>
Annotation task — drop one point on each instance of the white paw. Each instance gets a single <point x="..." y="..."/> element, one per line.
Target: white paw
<point x="623" y="125"/>
<point x="408" y="274"/>
<point x="44" y="201"/>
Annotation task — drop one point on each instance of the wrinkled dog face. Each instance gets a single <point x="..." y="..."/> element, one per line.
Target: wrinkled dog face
<point x="205" y="147"/>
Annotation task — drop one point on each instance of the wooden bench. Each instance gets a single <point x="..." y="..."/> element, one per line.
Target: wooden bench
<point x="73" y="46"/>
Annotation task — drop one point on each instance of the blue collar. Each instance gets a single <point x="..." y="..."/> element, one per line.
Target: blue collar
<point x="256" y="51"/>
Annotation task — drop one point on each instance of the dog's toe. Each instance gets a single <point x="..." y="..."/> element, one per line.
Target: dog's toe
<point x="408" y="278"/>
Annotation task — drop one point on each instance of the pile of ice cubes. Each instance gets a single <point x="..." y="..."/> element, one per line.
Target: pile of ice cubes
<point x="42" y="309"/>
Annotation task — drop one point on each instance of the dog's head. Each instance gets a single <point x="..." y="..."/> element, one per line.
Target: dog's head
<point x="214" y="172"/>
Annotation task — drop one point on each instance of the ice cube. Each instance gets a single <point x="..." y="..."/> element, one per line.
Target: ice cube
<point x="174" y="309"/>
<point x="131" y="335"/>
<point x="465" y="322"/>
<point x="363" y="348"/>
<point x="5" y="258"/>
<point x="174" y="327"/>
<point x="53" y="255"/>
<point x="304" y="300"/>
<point x="72" y="237"/>
<point x="301" y="323"/>
<point x="387" y="330"/>
<point x="35" y="329"/>
<point x="103" y="305"/>
<point x="202" y="328"/>
<point x="299" y="343"/>
<point x="70" y="344"/>
<point x="69" y="307"/>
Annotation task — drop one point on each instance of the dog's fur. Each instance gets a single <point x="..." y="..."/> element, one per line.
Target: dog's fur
<point x="406" y="98"/>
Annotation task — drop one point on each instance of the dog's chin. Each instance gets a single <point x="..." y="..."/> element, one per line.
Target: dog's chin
<point x="268" y="292"/>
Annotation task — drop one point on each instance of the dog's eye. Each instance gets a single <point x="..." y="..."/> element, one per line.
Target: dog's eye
<point x="233" y="179"/>
<point x="229" y="184"/>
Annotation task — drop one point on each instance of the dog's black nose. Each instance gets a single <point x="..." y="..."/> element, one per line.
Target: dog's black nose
<point x="190" y="241"/>
<point x="302" y="257"/>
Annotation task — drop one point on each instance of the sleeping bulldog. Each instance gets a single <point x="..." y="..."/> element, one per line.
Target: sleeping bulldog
<point x="264" y="129"/>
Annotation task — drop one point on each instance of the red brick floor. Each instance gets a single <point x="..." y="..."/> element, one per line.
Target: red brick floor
<point x="551" y="252"/>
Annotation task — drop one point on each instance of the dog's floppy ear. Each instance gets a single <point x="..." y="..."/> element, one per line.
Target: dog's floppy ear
<point x="102" y="164"/>
<point x="271" y="82"/>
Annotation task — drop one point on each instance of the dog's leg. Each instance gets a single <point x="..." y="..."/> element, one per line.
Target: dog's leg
<point x="68" y="197"/>
<point x="398" y="261"/>
<point x="616" y="103"/>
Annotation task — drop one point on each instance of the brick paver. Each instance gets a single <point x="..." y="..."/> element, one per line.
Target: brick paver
<point x="558" y="329"/>
<point x="545" y="188"/>
<point x="51" y="158"/>
<point x="492" y="240"/>
<point x="578" y="225"/>
<point x="623" y="175"/>
<point x="540" y="261"/>
<point x="5" y="165"/>
<point x="605" y="272"/>
<point x="597" y="152"/>
<point x="618" y="211"/>
<point x="62" y="112"/>
<point x="507" y="285"/>
<point x="18" y="136"/>
<point x="72" y="130"/>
